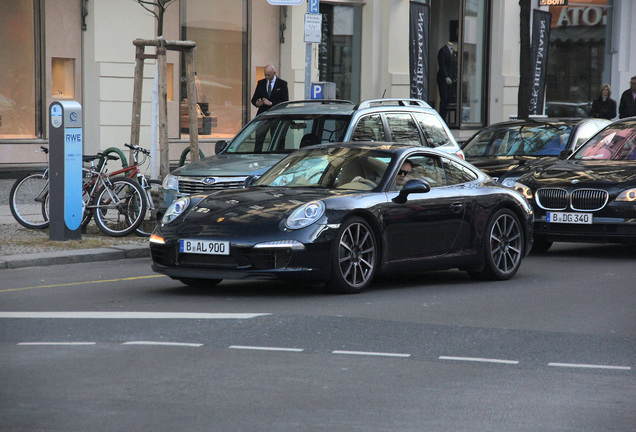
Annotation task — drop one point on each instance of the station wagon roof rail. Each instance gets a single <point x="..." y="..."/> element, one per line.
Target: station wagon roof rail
<point x="311" y="101"/>
<point x="391" y="101"/>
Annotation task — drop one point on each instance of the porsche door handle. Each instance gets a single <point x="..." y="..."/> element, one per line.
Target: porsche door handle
<point x="457" y="207"/>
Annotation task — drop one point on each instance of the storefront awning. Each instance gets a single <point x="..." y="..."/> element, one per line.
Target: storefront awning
<point x="577" y="34"/>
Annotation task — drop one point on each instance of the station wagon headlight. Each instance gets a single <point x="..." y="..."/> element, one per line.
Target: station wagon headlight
<point x="305" y="215"/>
<point x="176" y="208"/>
<point x="171" y="182"/>
<point x="628" y="195"/>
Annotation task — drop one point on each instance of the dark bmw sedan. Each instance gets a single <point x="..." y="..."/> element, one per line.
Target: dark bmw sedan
<point x="590" y="197"/>
<point x="508" y="150"/>
<point x="341" y="213"/>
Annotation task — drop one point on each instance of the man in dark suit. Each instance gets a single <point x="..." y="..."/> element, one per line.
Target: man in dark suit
<point x="627" y="107"/>
<point x="269" y="91"/>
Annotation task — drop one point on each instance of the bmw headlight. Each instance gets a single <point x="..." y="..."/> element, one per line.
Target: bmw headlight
<point x="176" y="208"/>
<point x="171" y="182"/>
<point x="524" y="190"/>
<point x="628" y="195"/>
<point x="305" y="215"/>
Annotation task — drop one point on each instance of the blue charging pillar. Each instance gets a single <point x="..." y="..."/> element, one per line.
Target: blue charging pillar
<point x="65" y="170"/>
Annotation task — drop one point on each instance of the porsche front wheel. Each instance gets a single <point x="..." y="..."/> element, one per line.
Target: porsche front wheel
<point x="354" y="257"/>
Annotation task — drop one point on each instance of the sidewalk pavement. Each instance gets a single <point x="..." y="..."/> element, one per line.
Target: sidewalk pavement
<point x="21" y="247"/>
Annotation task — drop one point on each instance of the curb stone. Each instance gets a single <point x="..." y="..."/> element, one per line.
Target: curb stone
<point x="74" y="256"/>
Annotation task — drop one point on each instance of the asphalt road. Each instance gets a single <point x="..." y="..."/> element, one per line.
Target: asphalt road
<point x="112" y="346"/>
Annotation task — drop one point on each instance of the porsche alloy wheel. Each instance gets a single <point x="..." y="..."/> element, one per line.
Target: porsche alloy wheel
<point x="354" y="257"/>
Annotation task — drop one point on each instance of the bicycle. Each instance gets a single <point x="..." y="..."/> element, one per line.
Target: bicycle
<point x="118" y="204"/>
<point x="28" y="199"/>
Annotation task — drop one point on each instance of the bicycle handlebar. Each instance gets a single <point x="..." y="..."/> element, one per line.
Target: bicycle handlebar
<point x="137" y="148"/>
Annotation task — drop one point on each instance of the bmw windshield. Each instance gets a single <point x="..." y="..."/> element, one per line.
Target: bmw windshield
<point x="519" y="140"/>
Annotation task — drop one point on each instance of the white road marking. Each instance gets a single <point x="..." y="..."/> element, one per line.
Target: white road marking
<point x="589" y="366"/>
<point x="130" y="315"/>
<point x="369" y="353"/>
<point x="243" y="347"/>
<point x="477" y="359"/>
<point x="179" y="344"/>
<point x="57" y="343"/>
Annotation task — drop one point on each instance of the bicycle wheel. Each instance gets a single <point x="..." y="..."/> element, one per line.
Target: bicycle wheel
<point x="27" y="201"/>
<point x="119" y="208"/>
<point x="149" y="222"/>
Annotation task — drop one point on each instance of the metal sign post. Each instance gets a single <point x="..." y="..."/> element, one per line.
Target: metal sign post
<point x="65" y="170"/>
<point x="313" y="31"/>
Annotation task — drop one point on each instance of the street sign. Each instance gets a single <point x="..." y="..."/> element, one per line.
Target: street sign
<point x="313" y="28"/>
<point x="285" y="2"/>
<point x="313" y="6"/>
<point x="316" y="91"/>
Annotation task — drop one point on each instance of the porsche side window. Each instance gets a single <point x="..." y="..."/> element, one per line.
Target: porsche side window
<point x="369" y="128"/>
<point x="427" y="168"/>
<point x="456" y="173"/>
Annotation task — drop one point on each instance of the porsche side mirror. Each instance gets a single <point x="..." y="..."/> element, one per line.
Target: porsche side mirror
<point x="412" y="186"/>
<point x="220" y="146"/>
<point x="249" y="180"/>
<point x="565" y="154"/>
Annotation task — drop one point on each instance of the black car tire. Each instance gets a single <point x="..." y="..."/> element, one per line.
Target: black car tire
<point x="540" y="245"/>
<point x="354" y="257"/>
<point x="200" y="283"/>
<point x="503" y="247"/>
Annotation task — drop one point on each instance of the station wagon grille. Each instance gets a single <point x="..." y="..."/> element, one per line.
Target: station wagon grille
<point x="192" y="185"/>
<point x="579" y="199"/>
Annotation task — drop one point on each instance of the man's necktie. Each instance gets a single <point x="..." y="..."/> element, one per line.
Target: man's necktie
<point x="269" y="88"/>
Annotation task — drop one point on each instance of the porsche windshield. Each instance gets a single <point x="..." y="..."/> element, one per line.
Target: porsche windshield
<point x="284" y="134"/>
<point x="617" y="142"/>
<point x="341" y="168"/>
<point x="519" y="140"/>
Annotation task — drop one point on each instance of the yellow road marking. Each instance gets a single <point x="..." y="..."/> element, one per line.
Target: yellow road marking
<point x="82" y="283"/>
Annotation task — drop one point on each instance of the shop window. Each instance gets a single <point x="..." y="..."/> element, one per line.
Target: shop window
<point x="339" y="54"/>
<point x="458" y="67"/>
<point x="18" y="70"/>
<point x="63" y="77"/>
<point x="219" y="29"/>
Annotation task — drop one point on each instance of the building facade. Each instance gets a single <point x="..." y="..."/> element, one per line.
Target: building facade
<point x="82" y="50"/>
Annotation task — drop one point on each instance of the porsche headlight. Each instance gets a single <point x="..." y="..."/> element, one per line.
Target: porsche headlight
<point x="628" y="195"/>
<point x="176" y="208"/>
<point x="171" y="182"/>
<point x="509" y="181"/>
<point x="305" y="215"/>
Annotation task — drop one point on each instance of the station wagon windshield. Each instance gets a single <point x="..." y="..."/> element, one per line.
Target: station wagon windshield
<point x="284" y="134"/>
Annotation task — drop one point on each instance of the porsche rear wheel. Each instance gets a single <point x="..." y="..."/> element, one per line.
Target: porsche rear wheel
<point x="354" y="257"/>
<point x="503" y="247"/>
<point x="200" y="283"/>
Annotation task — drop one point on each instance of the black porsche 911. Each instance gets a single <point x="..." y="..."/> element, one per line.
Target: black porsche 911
<point x="340" y="213"/>
<point x="591" y="196"/>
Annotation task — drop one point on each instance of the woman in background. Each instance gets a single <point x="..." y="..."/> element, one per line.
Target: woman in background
<point x="604" y="106"/>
